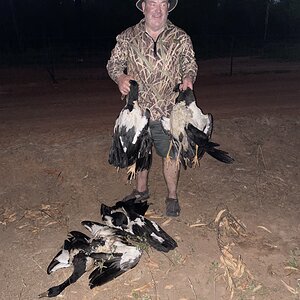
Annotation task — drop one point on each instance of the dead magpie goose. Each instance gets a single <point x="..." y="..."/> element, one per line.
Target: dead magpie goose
<point x="191" y="131"/>
<point x="125" y="218"/>
<point x="133" y="204"/>
<point x="75" y="252"/>
<point x="109" y="253"/>
<point x="131" y="144"/>
<point x="121" y="249"/>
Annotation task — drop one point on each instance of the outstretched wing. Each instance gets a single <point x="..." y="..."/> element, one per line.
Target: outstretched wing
<point x="110" y="270"/>
<point x="201" y="139"/>
<point x="153" y="234"/>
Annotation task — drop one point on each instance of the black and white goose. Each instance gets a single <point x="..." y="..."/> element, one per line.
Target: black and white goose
<point x="120" y="251"/>
<point x="75" y="252"/>
<point x="109" y="252"/>
<point x="132" y="144"/>
<point x="124" y="216"/>
<point x="191" y="131"/>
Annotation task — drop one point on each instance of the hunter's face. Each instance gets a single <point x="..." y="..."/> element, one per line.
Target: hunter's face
<point x="156" y="13"/>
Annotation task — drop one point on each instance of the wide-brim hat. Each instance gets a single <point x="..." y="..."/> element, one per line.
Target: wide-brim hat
<point x="173" y="4"/>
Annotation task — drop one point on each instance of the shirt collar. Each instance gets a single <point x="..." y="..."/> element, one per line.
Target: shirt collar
<point x="141" y="25"/>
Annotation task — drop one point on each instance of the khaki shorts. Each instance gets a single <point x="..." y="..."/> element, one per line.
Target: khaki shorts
<point x="161" y="139"/>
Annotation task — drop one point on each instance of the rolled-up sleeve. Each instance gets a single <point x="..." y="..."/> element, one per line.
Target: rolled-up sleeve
<point x="188" y="63"/>
<point x="118" y="59"/>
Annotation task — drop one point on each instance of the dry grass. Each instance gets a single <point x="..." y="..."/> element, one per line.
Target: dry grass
<point x="35" y="220"/>
<point x="235" y="272"/>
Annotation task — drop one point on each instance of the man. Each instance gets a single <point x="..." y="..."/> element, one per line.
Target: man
<point x="158" y="55"/>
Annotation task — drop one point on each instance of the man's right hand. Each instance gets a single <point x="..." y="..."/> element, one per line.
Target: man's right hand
<point x="124" y="84"/>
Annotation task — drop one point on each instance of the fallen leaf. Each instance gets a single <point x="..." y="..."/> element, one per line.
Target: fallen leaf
<point x="257" y="288"/>
<point x="50" y="223"/>
<point x="218" y="217"/>
<point x="142" y="288"/>
<point x="152" y="264"/>
<point x="271" y="246"/>
<point x="289" y="288"/>
<point x="264" y="228"/>
<point x="22" y="226"/>
<point x="198" y="225"/>
<point x="169" y="287"/>
<point x="291" y="268"/>
<point x="46" y="206"/>
<point x="165" y="223"/>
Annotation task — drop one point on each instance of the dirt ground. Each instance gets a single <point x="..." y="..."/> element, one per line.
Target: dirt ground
<point x="54" y="143"/>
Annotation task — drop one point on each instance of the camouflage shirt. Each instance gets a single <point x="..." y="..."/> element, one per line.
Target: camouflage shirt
<point x="156" y="66"/>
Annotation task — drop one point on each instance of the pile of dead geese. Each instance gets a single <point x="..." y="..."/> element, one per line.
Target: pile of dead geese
<point x="113" y="247"/>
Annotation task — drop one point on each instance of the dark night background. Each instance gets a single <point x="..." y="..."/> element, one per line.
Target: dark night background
<point x="34" y="29"/>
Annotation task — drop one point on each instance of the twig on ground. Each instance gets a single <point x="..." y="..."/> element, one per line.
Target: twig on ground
<point x="215" y="289"/>
<point x="259" y="154"/>
<point x="168" y="258"/>
<point x="38" y="265"/>
<point x="192" y="287"/>
<point x="154" y="283"/>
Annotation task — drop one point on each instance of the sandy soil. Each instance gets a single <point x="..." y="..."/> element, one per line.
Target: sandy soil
<point x="54" y="173"/>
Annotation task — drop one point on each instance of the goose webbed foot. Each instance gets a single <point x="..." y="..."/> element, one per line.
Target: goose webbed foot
<point x="168" y="156"/>
<point x="131" y="172"/>
<point x="195" y="161"/>
<point x="178" y="160"/>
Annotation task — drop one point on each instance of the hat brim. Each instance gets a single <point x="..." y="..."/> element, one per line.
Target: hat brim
<point x="173" y="4"/>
